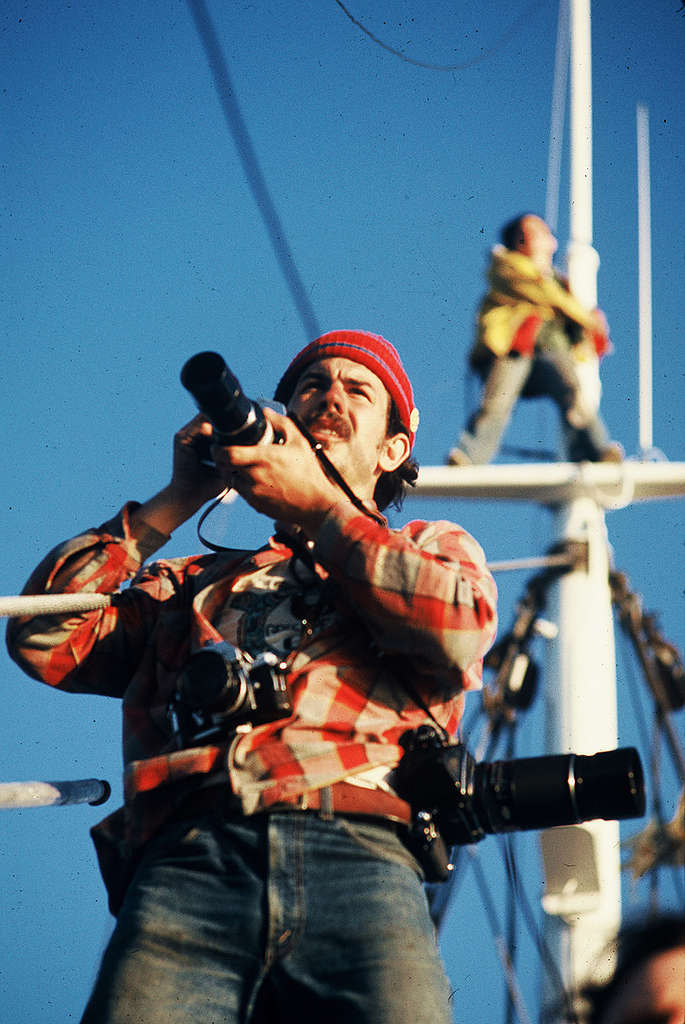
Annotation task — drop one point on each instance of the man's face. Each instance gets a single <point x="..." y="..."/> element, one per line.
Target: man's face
<point x="345" y="407"/>
<point x="538" y="242"/>
<point x="654" y="994"/>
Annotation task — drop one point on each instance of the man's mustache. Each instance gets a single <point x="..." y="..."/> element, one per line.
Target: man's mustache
<point x="329" y="420"/>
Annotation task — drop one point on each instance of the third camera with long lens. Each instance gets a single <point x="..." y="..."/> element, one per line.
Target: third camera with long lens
<point x="457" y="800"/>
<point x="236" y="419"/>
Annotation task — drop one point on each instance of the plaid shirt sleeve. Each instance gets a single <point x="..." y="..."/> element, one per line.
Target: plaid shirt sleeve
<point x="57" y="649"/>
<point x="424" y="591"/>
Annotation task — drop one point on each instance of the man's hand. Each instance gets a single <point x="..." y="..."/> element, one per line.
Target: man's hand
<point x="193" y="477"/>
<point x="193" y="481"/>
<point x="285" y="480"/>
<point x="600" y="334"/>
<point x="526" y="336"/>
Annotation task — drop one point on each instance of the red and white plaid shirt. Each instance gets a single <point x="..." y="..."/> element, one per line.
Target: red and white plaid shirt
<point x="383" y="605"/>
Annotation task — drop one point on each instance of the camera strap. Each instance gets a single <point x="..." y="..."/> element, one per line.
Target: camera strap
<point x="210" y="508"/>
<point x="397" y="665"/>
<point x="329" y="469"/>
<point x="444" y="735"/>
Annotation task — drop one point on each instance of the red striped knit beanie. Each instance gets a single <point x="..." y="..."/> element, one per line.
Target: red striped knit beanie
<point x="373" y="352"/>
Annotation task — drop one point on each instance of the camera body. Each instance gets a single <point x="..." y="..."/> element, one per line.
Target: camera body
<point x="456" y="800"/>
<point x="222" y="689"/>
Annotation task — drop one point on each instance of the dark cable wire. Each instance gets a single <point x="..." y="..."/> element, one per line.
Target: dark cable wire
<point x="512" y="926"/>
<point x="241" y="136"/>
<point x="491" y="915"/>
<point x="543" y="949"/>
<point x="498" y="44"/>
<point x="331" y="472"/>
<point x="334" y="474"/>
<point x="640" y="714"/>
<point x="657" y="805"/>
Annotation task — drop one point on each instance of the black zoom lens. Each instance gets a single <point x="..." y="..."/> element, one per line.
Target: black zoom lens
<point x="214" y="681"/>
<point x="218" y="395"/>
<point x="561" y="789"/>
<point x="469" y="800"/>
<point x="222" y="687"/>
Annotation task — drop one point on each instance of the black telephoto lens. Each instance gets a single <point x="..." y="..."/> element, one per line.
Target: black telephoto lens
<point x="561" y="789"/>
<point x="470" y="799"/>
<point x="219" y="397"/>
<point x="211" y="682"/>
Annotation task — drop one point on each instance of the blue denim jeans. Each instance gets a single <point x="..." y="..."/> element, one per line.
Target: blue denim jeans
<point x="547" y="375"/>
<point x="277" y="918"/>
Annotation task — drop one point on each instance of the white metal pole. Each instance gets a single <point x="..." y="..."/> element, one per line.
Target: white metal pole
<point x="644" y="278"/>
<point x="582" y="897"/>
<point x="582" y="258"/>
<point x="583" y="261"/>
<point x="15" y="795"/>
<point x="556" y="126"/>
<point x="582" y="867"/>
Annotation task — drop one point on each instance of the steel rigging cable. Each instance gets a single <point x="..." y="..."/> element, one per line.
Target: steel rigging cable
<point x="241" y="136"/>
<point x="499" y="42"/>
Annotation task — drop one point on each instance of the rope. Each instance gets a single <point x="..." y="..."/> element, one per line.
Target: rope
<point x="64" y="604"/>
<point x="617" y="501"/>
<point x="246" y="151"/>
<point x="541" y="562"/>
<point x="500" y="943"/>
<point x="52" y="604"/>
<point x="546" y="956"/>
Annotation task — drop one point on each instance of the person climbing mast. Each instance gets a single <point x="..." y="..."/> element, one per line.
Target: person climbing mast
<point x="532" y="335"/>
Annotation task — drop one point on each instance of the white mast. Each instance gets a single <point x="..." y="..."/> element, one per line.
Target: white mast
<point x="583" y="261"/>
<point x="582" y="897"/>
<point x="583" y="891"/>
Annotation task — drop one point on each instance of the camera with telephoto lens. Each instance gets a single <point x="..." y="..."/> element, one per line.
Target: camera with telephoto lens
<point x="456" y="801"/>
<point x="236" y="419"/>
<point x="223" y="689"/>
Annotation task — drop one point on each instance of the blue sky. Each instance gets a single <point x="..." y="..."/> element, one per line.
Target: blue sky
<point x="131" y="240"/>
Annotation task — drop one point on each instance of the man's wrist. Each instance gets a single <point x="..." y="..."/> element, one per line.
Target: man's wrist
<point x="341" y="510"/>
<point x="164" y="511"/>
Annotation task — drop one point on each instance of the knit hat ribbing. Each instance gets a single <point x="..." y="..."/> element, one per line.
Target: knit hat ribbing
<point x="374" y="352"/>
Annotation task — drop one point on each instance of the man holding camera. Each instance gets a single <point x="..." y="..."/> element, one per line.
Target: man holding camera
<point x="261" y="868"/>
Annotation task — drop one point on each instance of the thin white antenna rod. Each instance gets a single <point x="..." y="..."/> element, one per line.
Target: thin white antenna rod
<point x="557" y="117"/>
<point x="645" y="279"/>
<point x="583" y="260"/>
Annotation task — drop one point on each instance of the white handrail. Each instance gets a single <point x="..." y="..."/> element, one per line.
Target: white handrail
<point x="51" y="794"/>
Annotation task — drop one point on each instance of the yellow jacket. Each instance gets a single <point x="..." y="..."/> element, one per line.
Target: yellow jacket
<point x="518" y="290"/>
